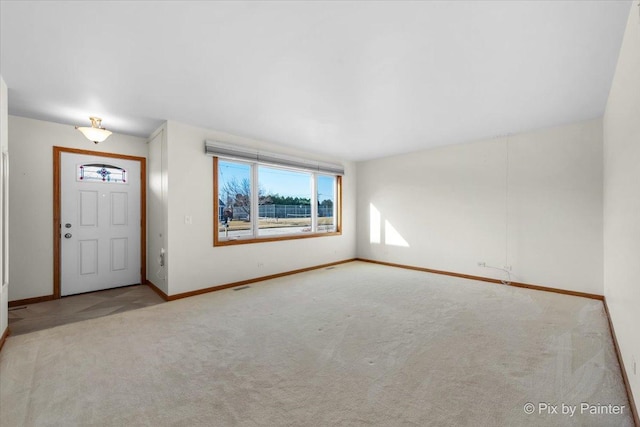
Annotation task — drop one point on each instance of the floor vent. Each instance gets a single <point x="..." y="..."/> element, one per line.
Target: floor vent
<point x="239" y="288"/>
<point x="329" y="268"/>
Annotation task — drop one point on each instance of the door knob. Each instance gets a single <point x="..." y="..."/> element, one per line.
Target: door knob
<point x="67" y="236"/>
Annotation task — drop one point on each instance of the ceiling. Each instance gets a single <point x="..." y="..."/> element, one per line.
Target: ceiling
<point x="354" y="80"/>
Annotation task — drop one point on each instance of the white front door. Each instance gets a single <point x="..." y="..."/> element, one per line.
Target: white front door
<point x="100" y="223"/>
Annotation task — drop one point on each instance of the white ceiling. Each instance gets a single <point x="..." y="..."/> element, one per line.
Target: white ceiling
<point x="356" y="80"/>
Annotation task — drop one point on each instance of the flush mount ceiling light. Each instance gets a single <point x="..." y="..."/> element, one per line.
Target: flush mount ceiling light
<point x="95" y="133"/>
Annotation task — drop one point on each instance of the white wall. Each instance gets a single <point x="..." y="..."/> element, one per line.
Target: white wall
<point x="532" y="201"/>
<point x="195" y="263"/>
<point x="4" y="145"/>
<point x="31" y="194"/>
<point x="157" y="209"/>
<point x="622" y="201"/>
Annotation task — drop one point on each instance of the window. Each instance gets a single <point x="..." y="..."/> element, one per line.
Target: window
<point x="326" y="197"/>
<point x="234" y="194"/>
<point x="255" y="202"/>
<point x="101" y="173"/>
<point x="284" y="201"/>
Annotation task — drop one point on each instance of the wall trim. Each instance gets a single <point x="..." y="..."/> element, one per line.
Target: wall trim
<point x="487" y="279"/>
<point x="248" y="281"/>
<point x="33" y="300"/>
<point x="157" y="290"/>
<point x="389" y="264"/>
<point x="4" y="337"/>
<point x="623" y="371"/>
<point x="57" y="151"/>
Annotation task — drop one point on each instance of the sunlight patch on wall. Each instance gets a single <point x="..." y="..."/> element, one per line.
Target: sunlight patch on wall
<point x="389" y="233"/>
<point x="374" y="224"/>
<point x="392" y="237"/>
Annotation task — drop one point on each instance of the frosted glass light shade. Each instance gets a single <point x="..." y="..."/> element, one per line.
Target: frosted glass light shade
<point x="94" y="133"/>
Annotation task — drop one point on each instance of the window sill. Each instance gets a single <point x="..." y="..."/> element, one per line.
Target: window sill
<point x="245" y="241"/>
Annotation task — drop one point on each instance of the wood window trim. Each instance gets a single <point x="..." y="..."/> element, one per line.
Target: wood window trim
<point x="57" y="151"/>
<point x="216" y="208"/>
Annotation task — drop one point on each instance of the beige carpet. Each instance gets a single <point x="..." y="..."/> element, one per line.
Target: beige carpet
<point x="359" y="344"/>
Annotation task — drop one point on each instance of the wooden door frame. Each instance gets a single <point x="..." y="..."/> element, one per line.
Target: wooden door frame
<point x="57" y="226"/>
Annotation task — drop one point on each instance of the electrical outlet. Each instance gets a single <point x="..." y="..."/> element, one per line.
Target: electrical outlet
<point x="188" y="219"/>
<point x="260" y="264"/>
<point x="482" y="264"/>
<point x="507" y="267"/>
